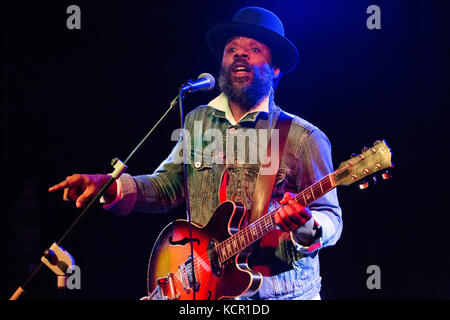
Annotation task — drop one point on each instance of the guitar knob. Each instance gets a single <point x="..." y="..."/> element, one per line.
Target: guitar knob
<point x="377" y="142"/>
<point x="365" y="149"/>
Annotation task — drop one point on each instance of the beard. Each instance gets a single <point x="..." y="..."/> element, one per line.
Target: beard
<point x="247" y="96"/>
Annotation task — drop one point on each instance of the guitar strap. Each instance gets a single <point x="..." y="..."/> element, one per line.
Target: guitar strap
<point x="265" y="182"/>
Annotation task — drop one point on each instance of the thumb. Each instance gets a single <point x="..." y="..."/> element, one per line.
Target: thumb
<point x="85" y="196"/>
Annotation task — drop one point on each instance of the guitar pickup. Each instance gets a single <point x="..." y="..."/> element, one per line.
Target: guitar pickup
<point x="188" y="278"/>
<point x="214" y="258"/>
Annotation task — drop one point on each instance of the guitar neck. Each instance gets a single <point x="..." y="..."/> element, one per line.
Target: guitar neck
<point x="265" y="224"/>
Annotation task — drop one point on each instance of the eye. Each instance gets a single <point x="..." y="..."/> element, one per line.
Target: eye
<point x="255" y="50"/>
<point x="231" y="50"/>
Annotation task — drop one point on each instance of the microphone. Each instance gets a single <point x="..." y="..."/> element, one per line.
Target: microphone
<point x="204" y="82"/>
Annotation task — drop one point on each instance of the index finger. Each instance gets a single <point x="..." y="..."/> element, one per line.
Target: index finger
<point x="286" y="197"/>
<point x="69" y="182"/>
<point x="58" y="186"/>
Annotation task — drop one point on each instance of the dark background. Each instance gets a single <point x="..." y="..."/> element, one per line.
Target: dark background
<point x="74" y="99"/>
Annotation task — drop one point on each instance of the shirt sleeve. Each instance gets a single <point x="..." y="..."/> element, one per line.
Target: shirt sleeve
<point x="157" y="192"/>
<point x="316" y="163"/>
<point x="125" y="200"/>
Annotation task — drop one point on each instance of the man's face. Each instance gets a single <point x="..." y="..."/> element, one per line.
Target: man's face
<point x="247" y="73"/>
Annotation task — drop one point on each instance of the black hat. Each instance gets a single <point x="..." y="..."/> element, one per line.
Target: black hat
<point x="259" y="24"/>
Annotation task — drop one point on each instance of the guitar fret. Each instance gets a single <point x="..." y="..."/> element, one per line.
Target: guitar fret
<point x="304" y="199"/>
<point x="324" y="185"/>
<point x="308" y="195"/>
<point x="235" y="244"/>
<point x="231" y="241"/>
<point x="245" y="236"/>
<point x="328" y="183"/>
<point x="261" y="226"/>
<point x="224" y="253"/>
<point x="253" y="234"/>
<point x="219" y="252"/>
<point x="266" y="224"/>
<point x="332" y="185"/>
<point x="300" y="200"/>
<point x="241" y="241"/>
<point x="312" y="192"/>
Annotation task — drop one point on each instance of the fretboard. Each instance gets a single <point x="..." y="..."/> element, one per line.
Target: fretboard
<point x="253" y="232"/>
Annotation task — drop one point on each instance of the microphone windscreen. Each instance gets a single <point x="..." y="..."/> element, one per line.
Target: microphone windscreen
<point x="211" y="80"/>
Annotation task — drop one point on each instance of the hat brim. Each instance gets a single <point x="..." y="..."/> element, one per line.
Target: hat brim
<point x="284" y="54"/>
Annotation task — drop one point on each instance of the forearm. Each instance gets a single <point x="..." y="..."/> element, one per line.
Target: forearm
<point x="157" y="192"/>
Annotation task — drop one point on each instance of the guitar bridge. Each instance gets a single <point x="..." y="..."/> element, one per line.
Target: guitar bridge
<point x="165" y="289"/>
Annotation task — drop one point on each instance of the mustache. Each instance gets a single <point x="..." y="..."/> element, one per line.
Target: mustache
<point x="240" y="62"/>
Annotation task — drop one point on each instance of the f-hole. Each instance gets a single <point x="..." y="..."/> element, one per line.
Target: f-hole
<point x="182" y="242"/>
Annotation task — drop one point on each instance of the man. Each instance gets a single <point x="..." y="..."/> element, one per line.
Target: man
<point x="254" y="54"/>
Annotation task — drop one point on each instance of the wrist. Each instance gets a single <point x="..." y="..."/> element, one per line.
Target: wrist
<point x="308" y="233"/>
<point x="111" y="193"/>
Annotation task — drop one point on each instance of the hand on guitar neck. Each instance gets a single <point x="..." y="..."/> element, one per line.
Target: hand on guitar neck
<point x="294" y="217"/>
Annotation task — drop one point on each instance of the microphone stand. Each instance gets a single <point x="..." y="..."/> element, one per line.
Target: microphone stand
<point x="191" y="86"/>
<point x="55" y="256"/>
<point x="195" y="284"/>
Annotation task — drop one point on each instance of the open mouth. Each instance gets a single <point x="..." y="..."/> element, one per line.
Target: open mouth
<point x="241" y="69"/>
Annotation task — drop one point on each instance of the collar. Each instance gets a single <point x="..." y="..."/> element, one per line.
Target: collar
<point x="220" y="103"/>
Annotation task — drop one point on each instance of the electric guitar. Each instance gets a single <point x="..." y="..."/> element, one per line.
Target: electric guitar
<point x="218" y="267"/>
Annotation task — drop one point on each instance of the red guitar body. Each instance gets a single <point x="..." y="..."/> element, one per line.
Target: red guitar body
<point x="169" y="271"/>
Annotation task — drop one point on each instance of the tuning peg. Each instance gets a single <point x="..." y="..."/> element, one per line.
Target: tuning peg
<point x="364" y="149"/>
<point x="364" y="184"/>
<point x="386" y="175"/>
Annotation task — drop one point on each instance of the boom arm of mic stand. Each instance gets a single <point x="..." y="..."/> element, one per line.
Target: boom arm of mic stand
<point x="119" y="168"/>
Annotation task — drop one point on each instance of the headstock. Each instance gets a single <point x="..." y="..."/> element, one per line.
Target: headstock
<point x="370" y="161"/>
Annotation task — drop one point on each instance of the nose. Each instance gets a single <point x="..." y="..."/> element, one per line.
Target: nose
<point x="241" y="54"/>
